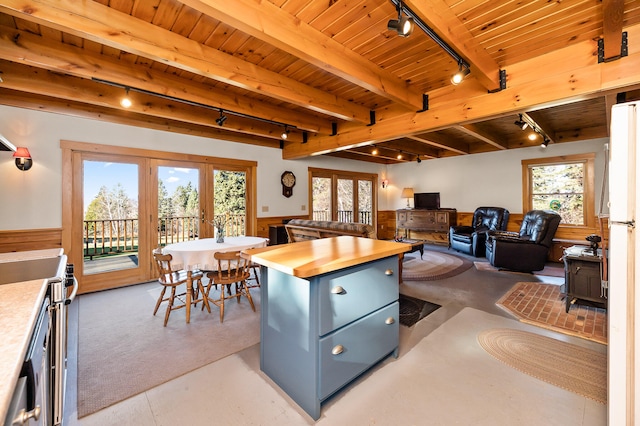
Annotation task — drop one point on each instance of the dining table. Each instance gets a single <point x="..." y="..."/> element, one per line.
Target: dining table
<point x="197" y="255"/>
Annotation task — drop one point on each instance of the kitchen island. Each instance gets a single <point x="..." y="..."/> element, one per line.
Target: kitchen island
<point x="329" y="312"/>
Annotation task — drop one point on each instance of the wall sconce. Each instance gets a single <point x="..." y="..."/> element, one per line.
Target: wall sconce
<point x="23" y="159"/>
<point x="385" y="183"/>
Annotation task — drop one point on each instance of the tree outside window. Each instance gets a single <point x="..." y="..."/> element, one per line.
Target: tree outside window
<point x="562" y="184"/>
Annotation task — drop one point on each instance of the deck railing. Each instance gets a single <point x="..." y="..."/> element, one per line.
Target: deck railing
<point x="343" y="216"/>
<point x="107" y="237"/>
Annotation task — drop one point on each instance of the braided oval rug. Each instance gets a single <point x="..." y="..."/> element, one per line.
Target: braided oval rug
<point x="568" y="366"/>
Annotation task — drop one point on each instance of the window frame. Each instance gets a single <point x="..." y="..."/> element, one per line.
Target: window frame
<point x="588" y="160"/>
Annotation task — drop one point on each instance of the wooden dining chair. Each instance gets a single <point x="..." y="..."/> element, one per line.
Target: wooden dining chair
<point x="171" y="279"/>
<point x="254" y="280"/>
<point x="231" y="276"/>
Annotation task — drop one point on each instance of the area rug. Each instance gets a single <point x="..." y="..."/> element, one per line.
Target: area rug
<point x="543" y="305"/>
<point x="548" y="271"/>
<point x="123" y="349"/>
<point x="433" y="266"/>
<point x="571" y="367"/>
<point x="413" y="310"/>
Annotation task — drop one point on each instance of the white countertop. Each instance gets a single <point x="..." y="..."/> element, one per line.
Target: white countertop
<point x="19" y="306"/>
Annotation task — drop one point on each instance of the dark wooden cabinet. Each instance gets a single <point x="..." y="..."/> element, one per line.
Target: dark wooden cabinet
<point x="583" y="277"/>
<point x="425" y="220"/>
<point x="277" y="235"/>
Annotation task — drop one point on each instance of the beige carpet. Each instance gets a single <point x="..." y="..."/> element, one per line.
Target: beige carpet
<point x="549" y="270"/>
<point x="433" y="266"/>
<point x="562" y="364"/>
<point x="544" y="306"/>
<point x="124" y="350"/>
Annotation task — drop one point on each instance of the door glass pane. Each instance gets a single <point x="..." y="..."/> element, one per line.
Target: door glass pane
<point x="321" y="198"/>
<point x="110" y="229"/>
<point x="345" y="200"/>
<point x="364" y="202"/>
<point x="178" y="205"/>
<point x="229" y="202"/>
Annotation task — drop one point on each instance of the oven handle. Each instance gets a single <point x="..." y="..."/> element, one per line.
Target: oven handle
<point x="73" y="292"/>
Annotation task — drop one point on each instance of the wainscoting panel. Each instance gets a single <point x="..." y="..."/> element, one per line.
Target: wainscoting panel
<point x="30" y="239"/>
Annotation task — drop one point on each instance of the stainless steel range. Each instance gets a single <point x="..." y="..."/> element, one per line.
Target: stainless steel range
<point x="43" y="377"/>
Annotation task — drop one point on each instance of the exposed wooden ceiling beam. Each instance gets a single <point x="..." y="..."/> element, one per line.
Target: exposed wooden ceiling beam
<point x="430" y="141"/>
<point x="576" y="75"/>
<point x="76" y="109"/>
<point x="613" y="14"/>
<point x="105" y="25"/>
<point x="269" y="23"/>
<point x="43" y="82"/>
<point x="29" y="49"/>
<point x="474" y="131"/>
<point x="437" y="14"/>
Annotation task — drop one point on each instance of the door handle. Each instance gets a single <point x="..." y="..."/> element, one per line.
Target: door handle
<point x="202" y="216"/>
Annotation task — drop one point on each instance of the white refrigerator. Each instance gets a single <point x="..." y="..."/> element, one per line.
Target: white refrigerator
<point x="624" y="296"/>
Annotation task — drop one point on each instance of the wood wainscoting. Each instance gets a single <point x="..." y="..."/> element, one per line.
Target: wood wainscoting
<point x="264" y="222"/>
<point x="30" y="239"/>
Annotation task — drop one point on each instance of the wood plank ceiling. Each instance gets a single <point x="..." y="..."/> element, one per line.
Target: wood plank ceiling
<point x="328" y="71"/>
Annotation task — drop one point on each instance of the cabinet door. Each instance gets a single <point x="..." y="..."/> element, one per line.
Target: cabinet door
<point x="352" y="293"/>
<point x="586" y="280"/>
<point x="350" y="351"/>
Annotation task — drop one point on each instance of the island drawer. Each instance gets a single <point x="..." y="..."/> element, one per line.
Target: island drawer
<point x="346" y="296"/>
<point x="355" y="348"/>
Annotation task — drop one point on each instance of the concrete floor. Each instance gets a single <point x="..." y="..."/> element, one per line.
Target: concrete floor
<point x="441" y="377"/>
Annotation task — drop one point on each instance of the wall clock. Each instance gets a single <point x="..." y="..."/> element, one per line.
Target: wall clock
<point x="288" y="180"/>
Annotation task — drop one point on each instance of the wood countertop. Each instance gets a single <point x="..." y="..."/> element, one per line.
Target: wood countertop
<point x="315" y="257"/>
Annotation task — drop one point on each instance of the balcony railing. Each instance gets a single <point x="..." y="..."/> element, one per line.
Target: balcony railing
<point x="343" y="216"/>
<point x="108" y="237"/>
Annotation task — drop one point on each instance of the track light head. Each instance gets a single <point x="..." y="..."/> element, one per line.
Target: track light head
<point x="125" y="102"/>
<point x="462" y="73"/>
<point x="418" y="160"/>
<point x="545" y="143"/>
<point x="220" y="120"/>
<point x="285" y="133"/>
<point x="521" y="123"/>
<point x="532" y="136"/>
<point x="403" y="25"/>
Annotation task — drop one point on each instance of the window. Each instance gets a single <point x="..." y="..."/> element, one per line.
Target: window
<point x="563" y="184"/>
<point x="343" y="196"/>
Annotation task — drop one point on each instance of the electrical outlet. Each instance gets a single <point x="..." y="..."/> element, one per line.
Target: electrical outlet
<point x="303" y="207"/>
<point x="265" y="209"/>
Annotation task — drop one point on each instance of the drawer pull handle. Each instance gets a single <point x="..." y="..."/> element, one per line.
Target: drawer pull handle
<point x="388" y="272"/>
<point x="338" y="290"/>
<point x="389" y="320"/>
<point x="337" y="349"/>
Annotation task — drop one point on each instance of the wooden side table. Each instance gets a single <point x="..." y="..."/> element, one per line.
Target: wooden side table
<point x="583" y="276"/>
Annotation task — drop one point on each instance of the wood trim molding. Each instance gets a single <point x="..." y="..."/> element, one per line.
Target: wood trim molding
<point x="30" y="239"/>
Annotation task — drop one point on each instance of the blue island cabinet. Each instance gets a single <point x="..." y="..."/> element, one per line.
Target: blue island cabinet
<point x="319" y="333"/>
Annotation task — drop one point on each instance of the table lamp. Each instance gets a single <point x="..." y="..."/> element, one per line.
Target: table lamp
<point x="408" y="194"/>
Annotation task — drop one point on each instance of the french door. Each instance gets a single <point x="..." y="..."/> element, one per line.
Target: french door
<point x="120" y="203"/>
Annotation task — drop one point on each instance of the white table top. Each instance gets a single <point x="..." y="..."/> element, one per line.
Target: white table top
<point x="198" y="254"/>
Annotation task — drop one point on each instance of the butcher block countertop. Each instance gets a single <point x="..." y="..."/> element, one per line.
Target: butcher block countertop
<point x="19" y="307"/>
<point x="315" y="257"/>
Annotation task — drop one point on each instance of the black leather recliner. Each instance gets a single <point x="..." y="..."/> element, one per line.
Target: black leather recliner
<point x="472" y="239"/>
<point x="527" y="250"/>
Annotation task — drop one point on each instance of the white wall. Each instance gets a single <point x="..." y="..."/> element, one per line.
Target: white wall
<point x="32" y="199"/>
<point x="490" y="179"/>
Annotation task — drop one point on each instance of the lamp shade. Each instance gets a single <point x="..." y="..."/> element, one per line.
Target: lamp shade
<point x="407" y="193"/>
<point x="21" y="152"/>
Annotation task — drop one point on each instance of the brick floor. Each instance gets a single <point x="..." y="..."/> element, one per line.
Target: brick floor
<point x="544" y="305"/>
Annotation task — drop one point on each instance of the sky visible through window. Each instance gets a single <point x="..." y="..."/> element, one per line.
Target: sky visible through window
<point x="109" y="174"/>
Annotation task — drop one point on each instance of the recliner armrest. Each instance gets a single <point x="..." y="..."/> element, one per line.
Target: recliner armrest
<point x="463" y="229"/>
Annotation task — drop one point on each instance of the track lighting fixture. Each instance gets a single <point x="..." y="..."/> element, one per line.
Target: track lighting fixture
<point x="126" y="102"/>
<point x="285" y="133"/>
<point x="220" y="120"/>
<point x="403" y="25"/>
<point x="545" y="143"/>
<point x="521" y="123"/>
<point x="532" y="136"/>
<point x="399" y="156"/>
<point x="418" y="160"/>
<point x="463" y="71"/>
<point x="374" y="151"/>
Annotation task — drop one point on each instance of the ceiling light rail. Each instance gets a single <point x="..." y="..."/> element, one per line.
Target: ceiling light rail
<point x="428" y="31"/>
<point x="223" y="112"/>
<point x="525" y="121"/>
